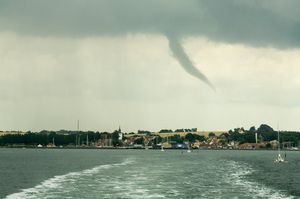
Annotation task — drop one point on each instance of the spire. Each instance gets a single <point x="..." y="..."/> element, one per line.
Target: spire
<point x="120" y="133"/>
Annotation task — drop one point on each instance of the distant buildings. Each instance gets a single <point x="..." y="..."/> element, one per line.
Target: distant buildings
<point x="2" y="133"/>
<point x="252" y="146"/>
<point x="263" y="138"/>
<point x="104" y="141"/>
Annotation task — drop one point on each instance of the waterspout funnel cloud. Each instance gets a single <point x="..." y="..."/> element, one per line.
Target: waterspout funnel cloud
<point x="184" y="61"/>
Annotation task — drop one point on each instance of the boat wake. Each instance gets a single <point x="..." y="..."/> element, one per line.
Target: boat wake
<point x="239" y="178"/>
<point x="57" y="184"/>
<point x="131" y="179"/>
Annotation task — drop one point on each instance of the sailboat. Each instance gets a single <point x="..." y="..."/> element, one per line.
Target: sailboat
<point x="189" y="148"/>
<point x="161" y="146"/>
<point x="279" y="158"/>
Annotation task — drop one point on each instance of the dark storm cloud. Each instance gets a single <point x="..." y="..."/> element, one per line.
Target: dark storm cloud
<point x="258" y="23"/>
<point x="250" y="22"/>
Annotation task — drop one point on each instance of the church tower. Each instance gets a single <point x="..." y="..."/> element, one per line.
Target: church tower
<point x="120" y="133"/>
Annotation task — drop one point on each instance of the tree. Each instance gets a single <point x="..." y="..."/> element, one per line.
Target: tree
<point x="235" y="136"/>
<point x="166" y="131"/>
<point x="115" y="138"/>
<point x="211" y="134"/>
<point x="249" y="137"/>
<point x="139" y="141"/>
<point x="190" y="137"/>
<point x="156" y="140"/>
<point x="264" y="128"/>
<point x="267" y="133"/>
<point x="199" y="137"/>
<point x="176" y="138"/>
<point x="252" y="129"/>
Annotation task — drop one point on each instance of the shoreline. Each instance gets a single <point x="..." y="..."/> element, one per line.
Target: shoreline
<point x="130" y="148"/>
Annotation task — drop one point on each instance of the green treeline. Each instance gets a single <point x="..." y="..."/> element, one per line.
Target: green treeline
<point x="62" y="137"/>
<point x="265" y="133"/>
<point x="72" y="138"/>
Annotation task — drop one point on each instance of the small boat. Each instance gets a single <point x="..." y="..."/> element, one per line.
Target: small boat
<point x="279" y="158"/>
<point x="189" y="148"/>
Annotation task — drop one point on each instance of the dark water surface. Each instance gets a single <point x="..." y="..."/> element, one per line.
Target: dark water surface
<point x="71" y="173"/>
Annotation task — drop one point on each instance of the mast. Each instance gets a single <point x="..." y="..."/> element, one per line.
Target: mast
<point x="77" y="126"/>
<point x="279" y="158"/>
<point x="278" y="138"/>
<point x="87" y="139"/>
<point x="256" y="137"/>
<point x="278" y="141"/>
<point x="78" y="139"/>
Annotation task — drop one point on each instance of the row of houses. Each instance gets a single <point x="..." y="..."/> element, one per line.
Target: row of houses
<point x="213" y="140"/>
<point x="2" y="133"/>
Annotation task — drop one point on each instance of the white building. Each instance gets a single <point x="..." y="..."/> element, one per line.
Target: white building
<point x="120" y="134"/>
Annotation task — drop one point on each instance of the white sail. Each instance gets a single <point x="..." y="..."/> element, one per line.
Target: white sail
<point x="279" y="157"/>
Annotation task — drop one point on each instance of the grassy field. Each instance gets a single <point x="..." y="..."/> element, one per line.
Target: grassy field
<point x="182" y="134"/>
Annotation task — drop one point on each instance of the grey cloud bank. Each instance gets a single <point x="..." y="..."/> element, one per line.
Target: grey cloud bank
<point x="107" y="62"/>
<point x="274" y="23"/>
<point x="256" y="23"/>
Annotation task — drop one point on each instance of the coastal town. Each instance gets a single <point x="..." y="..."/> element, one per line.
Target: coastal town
<point x="264" y="137"/>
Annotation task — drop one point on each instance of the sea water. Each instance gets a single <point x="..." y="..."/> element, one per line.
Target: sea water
<point x="79" y="173"/>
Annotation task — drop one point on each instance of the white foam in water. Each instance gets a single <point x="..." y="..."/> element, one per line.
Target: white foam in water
<point x="57" y="181"/>
<point x="133" y="185"/>
<point x="250" y="188"/>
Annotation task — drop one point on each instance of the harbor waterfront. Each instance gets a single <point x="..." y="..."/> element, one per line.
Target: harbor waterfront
<point x="264" y="137"/>
<point x="70" y="173"/>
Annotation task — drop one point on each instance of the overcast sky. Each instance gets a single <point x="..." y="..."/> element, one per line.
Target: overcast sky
<point x="149" y="64"/>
